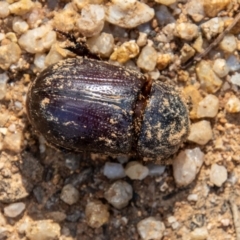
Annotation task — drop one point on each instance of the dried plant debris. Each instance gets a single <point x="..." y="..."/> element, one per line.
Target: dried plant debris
<point x="191" y="45"/>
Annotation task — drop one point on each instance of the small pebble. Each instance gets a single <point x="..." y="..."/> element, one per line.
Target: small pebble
<point x="187" y="165"/>
<point x="187" y="52"/>
<point x="65" y="20"/>
<point x="228" y="44"/>
<point x="119" y="194"/>
<point x="142" y="39"/>
<point x="212" y="8"/>
<point x="192" y="197"/>
<point x="13" y="142"/>
<point x="171" y="219"/>
<point x="15" y="209"/>
<point x="235" y="79"/>
<point x="4" y="9"/>
<point x="200" y="132"/>
<point x="96" y="213"/>
<point x="39" y="60"/>
<point x="166" y="2"/>
<point x="208" y="107"/>
<point x="163" y="61"/>
<point x="21" y="7"/>
<point x="151" y="229"/>
<point x="3" y="131"/>
<point x="212" y="27"/>
<point x="218" y="175"/>
<point x="5" y="232"/>
<point x="155" y="169"/>
<point x="113" y="170"/>
<point x="135" y="170"/>
<point x="199" y="234"/>
<point x="128" y="13"/>
<point x="3" y="84"/>
<point x="72" y="161"/>
<point x="186" y="31"/>
<point x="163" y="15"/>
<point x="125" y="52"/>
<point x="43" y="230"/>
<point x="9" y="54"/>
<point x="91" y="21"/>
<point x="83" y="3"/>
<point x="69" y="194"/>
<point x="225" y="222"/>
<point x="38" y="40"/>
<point x="12" y="127"/>
<point x="175" y="225"/>
<point x="195" y="10"/>
<point x="19" y="25"/>
<point x="220" y="67"/>
<point x="147" y="59"/>
<point x="55" y="54"/>
<point x="101" y="44"/>
<point x="233" y="104"/>
<point x="209" y="81"/>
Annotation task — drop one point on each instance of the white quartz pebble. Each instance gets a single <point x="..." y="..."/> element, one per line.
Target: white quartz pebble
<point x="220" y="67"/>
<point x="187" y="165"/>
<point x="91" y="21"/>
<point x="166" y="2"/>
<point x="69" y="194"/>
<point x="218" y="174"/>
<point x="186" y="31"/>
<point x="235" y="79"/>
<point x="233" y="104"/>
<point x="128" y="13"/>
<point x="208" y="107"/>
<point x="147" y="59"/>
<point x="228" y="44"/>
<point x="15" y="209"/>
<point x="212" y="27"/>
<point x="200" y="132"/>
<point x="119" y="194"/>
<point x="113" y="170"/>
<point x="101" y="44"/>
<point x="135" y="170"/>
<point x="4" y="9"/>
<point x="19" y="25"/>
<point x="38" y="40"/>
<point x="151" y="229"/>
<point x="199" y="234"/>
<point x="43" y="229"/>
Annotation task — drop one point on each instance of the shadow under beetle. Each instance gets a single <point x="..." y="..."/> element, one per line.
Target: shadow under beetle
<point x="83" y="104"/>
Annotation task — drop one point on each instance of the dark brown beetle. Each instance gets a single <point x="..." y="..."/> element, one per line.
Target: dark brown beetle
<point x="83" y="104"/>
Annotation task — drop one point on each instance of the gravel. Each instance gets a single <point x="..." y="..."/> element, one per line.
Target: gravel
<point x="119" y="194"/>
<point x="135" y="170"/>
<point x="200" y="132"/>
<point x="15" y="209"/>
<point x="218" y="175"/>
<point x="69" y="194"/>
<point x="150" y="228"/>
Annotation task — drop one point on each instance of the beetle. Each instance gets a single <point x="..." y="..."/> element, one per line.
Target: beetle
<point x="83" y="104"/>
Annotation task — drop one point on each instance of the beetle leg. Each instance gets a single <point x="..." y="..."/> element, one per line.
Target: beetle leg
<point x="80" y="48"/>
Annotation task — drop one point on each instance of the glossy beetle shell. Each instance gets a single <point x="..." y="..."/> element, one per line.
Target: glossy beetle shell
<point x="88" y="105"/>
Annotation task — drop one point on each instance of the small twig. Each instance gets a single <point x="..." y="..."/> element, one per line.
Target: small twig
<point x="199" y="56"/>
<point x="236" y="218"/>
